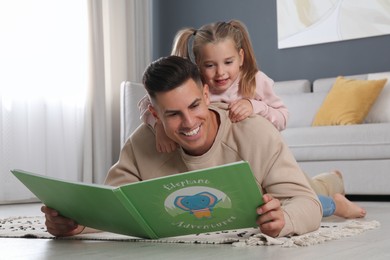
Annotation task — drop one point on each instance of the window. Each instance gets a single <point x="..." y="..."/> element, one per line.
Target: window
<point x="43" y="85"/>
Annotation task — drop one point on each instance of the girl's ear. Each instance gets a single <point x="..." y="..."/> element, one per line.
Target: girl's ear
<point x="241" y="54"/>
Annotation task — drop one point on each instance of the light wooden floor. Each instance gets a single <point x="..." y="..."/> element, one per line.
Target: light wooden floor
<point x="373" y="244"/>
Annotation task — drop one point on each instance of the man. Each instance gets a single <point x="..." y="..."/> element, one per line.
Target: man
<point x="207" y="138"/>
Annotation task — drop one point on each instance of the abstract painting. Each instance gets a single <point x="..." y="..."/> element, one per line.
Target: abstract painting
<point x="307" y="22"/>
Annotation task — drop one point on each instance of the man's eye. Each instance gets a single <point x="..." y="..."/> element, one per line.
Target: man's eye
<point x="172" y="114"/>
<point x="195" y="105"/>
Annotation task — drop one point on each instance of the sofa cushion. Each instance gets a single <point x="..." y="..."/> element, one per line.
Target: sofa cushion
<point x="351" y="142"/>
<point x="302" y="108"/>
<point x="325" y="84"/>
<point x="292" y="87"/>
<point x="348" y="102"/>
<point x="380" y="111"/>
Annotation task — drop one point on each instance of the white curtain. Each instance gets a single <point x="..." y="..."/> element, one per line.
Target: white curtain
<point x="61" y="66"/>
<point x="121" y="49"/>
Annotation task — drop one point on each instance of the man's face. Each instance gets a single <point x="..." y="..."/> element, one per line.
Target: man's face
<point x="186" y="118"/>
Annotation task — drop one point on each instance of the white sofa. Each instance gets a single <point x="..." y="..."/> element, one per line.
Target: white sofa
<point x="361" y="152"/>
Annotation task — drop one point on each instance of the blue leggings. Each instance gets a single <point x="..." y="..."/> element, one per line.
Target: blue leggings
<point x="328" y="205"/>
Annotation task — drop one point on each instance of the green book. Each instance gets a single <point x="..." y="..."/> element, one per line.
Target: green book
<point x="219" y="198"/>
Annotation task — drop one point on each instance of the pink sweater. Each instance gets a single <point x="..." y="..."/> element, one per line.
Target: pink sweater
<point x="265" y="102"/>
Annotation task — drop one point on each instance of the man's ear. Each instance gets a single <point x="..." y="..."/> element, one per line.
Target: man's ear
<point x="153" y="111"/>
<point x="206" y="93"/>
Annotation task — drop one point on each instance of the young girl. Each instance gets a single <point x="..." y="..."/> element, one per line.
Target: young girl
<point x="220" y="50"/>
<point x="226" y="60"/>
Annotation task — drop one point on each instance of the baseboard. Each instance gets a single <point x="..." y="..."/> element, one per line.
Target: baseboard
<point x="365" y="197"/>
<point x="12" y="202"/>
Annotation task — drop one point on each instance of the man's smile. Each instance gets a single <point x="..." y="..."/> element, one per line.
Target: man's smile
<point x="192" y="132"/>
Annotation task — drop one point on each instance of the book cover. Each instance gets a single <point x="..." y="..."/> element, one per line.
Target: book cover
<point x="219" y="198"/>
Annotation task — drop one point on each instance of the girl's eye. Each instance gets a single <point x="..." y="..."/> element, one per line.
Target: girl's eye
<point x="208" y="65"/>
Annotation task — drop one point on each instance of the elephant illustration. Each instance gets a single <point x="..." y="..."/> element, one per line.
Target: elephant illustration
<point x="200" y="205"/>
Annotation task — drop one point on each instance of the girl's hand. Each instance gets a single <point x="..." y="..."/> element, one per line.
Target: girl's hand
<point x="271" y="220"/>
<point x="239" y="110"/>
<point x="163" y="143"/>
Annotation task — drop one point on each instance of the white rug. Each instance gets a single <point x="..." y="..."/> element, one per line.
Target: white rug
<point x="331" y="229"/>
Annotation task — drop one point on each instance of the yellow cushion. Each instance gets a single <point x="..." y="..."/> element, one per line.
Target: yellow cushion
<point x="348" y="102"/>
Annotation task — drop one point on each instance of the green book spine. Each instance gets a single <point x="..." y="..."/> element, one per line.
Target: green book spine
<point x="134" y="212"/>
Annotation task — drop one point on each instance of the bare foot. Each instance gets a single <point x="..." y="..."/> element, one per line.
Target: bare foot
<point x="346" y="208"/>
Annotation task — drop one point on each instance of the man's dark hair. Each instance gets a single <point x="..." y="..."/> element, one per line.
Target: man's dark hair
<point x="167" y="73"/>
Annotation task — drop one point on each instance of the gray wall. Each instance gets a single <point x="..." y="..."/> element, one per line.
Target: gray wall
<point x="310" y="62"/>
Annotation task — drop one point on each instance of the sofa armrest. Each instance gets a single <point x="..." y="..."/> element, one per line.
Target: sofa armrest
<point x="130" y="94"/>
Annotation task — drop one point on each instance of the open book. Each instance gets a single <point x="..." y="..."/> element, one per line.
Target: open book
<point x="219" y="198"/>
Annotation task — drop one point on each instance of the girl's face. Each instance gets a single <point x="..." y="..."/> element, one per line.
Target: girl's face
<point x="220" y="65"/>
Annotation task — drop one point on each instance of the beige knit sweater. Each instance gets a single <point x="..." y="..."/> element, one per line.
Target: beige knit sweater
<point x="254" y="140"/>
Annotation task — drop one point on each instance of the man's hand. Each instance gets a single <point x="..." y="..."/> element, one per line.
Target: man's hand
<point x="60" y="226"/>
<point x="271" y="220"/>
<point x="239" y="110"/>
<point x="163" y="143"/>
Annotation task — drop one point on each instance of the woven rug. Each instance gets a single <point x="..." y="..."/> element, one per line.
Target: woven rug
<point x="331" y="229"/>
